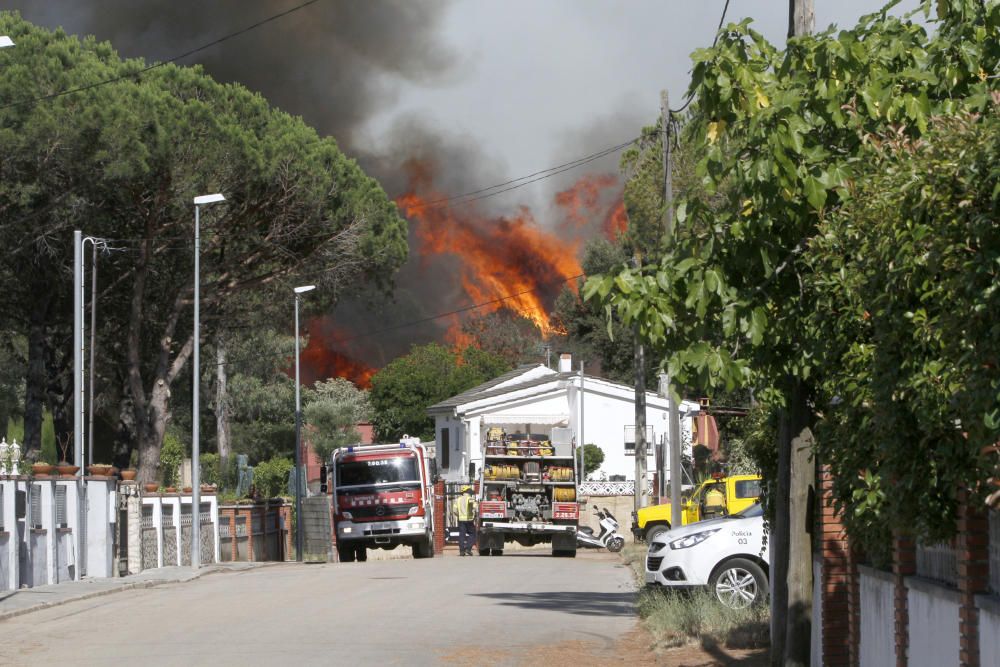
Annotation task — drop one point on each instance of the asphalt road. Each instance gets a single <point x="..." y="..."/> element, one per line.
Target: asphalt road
<point x="448" y="610"/>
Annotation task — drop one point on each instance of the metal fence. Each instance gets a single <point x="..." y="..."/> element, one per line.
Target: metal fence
<point x="938" y="562"/>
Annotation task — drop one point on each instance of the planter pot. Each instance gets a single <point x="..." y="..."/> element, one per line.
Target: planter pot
<point x="151" y="488"/>
<point x="67" y="469"/>
<point x="186" y="489"/>
<point x="171" y="489"/>
<point x="42" y="469"/>
<point x="129" y="475"/>
<point x="99" y="470"/>
<point x="207" y="488"/>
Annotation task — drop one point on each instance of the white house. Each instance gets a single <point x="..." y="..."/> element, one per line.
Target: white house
<point x="536" y="399"/>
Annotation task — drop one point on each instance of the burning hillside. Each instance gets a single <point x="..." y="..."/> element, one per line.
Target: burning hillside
<point x="509" y="261"/>
<point x="323" y="357"/>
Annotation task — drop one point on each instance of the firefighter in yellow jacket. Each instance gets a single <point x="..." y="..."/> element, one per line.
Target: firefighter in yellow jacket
<point x="464" y="508"/>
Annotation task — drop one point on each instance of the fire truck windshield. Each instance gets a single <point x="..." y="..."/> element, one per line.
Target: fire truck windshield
<point x="378" y="471"/>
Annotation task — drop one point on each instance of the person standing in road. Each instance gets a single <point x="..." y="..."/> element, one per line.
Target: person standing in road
<point x="465" y="511"/>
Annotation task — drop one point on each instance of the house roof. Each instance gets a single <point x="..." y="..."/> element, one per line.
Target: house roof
<point x="503" y="385"/>
<point x="483" y="390"/>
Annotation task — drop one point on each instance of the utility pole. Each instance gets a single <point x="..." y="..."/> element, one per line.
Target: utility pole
<point x="673" y="413"/>
<point x="640" y="417"/>
<point x="791" y="600"/>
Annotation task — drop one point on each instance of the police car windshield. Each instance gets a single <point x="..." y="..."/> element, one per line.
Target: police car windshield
<point x="378" y="471"/>
<point x="752" y="511"/>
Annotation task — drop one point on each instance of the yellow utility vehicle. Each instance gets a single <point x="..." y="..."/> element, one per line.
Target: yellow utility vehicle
<point x="716" y="496"/>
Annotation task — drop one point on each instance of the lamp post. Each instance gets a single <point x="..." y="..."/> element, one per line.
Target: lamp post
<point x="196" y="370"/>
<point x="5" y="41"/>
<point x="298" y="430"/>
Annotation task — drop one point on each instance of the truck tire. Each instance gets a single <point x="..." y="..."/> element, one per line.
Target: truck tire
<point x="361" y="553"/>
<point x="653" y="531"/>
<point x="345" y="553"/>
<point x="564" y="553"/>
<point x="423" y="549"/>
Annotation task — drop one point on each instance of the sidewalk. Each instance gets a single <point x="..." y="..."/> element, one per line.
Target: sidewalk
<point x="26" y="600"/>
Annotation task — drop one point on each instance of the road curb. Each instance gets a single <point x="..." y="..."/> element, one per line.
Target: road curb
<point x="127" y="586"/>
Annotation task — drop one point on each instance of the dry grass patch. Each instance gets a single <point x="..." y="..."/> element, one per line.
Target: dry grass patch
<point x="677" y="618"/>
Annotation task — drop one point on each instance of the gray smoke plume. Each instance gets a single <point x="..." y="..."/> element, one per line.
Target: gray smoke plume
<point x="334" y="62"/>
<point x="339" y="63"/>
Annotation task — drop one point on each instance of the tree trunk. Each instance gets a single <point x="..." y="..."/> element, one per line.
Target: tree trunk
<point x="798" y="633"/>
<point x="151" y="431"/>
<point x="36" y="382"/>
<point x="786" y="588"/>
<point x="221" y="399"/>
<point x="640" y="424"/>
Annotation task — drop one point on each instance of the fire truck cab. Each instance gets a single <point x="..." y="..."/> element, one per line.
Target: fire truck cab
<point x="383" y="497"/>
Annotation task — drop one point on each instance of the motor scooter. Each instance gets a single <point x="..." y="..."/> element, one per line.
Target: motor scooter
<point x="608" y="537"/>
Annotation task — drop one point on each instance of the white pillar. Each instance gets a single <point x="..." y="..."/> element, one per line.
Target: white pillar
<point x="9" y="490"/>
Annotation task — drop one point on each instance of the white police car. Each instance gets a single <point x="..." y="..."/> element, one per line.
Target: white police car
<point x="728" y="555"/>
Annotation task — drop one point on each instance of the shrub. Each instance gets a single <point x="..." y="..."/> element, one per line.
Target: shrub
<point x="271" y="477"/>
<point x="210" y="468"/>
<point x="171" y="456"/>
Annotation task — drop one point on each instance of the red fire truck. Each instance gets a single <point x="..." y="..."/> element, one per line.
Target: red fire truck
<point x="383" y="497"/>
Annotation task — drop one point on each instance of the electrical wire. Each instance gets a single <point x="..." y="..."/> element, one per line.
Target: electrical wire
<point x="715" y="41"/>
<point x="543" y="174"/>
<point x="149" y="68"/>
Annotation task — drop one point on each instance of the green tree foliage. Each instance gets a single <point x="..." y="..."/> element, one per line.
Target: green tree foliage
<point x="123" y="161"/>
<point x="403" y="390"/>
<point x="333" y="410"/>
<point x="270" y="478"/>
<point x="783" y="137"/>
<point x="593" y="457"/>
<point x="908" y="273"/>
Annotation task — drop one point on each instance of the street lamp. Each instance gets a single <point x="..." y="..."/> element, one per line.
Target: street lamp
<point x="5" y="41"/>
<point x="195" y="411"/>
<point x="298" y="429"/>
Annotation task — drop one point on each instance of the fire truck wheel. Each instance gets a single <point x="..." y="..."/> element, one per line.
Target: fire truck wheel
<point x="346" y="554"/>
<point x="424" y="549"/>
<point x="362" y="554"/>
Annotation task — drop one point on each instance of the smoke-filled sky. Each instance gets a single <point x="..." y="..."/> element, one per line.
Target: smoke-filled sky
<point x="478" y="91"/>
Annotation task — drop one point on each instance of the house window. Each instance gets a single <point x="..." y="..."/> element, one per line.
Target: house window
<point x="445" y="447"/>
<point x="630" y="440"/>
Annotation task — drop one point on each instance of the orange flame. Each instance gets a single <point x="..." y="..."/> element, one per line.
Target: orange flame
<point x="508" y="260"/>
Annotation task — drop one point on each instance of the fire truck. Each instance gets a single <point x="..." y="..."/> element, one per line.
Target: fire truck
<point x="383" y="497"/>
<point x="527" y="493"/>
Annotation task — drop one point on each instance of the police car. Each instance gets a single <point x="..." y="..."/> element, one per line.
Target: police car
<point x="727" y="555"/>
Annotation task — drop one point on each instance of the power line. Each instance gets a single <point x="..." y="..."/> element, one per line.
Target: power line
<point x="715" y="41"/>
<point x="149" y="68"/>
<point x="544" y="173"/>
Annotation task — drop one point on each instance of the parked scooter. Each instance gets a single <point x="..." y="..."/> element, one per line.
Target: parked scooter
<point x="608" y="537"/>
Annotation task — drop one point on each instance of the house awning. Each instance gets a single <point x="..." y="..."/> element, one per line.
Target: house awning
<point x="535" y="420"/>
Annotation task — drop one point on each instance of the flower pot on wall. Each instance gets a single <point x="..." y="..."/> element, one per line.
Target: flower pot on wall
<point x="151" y="488"/>
<point x="42" y="469"/>
<point x="67" y="469"/>
<point x="128" y="475"/>
<point x="99" y="470"/>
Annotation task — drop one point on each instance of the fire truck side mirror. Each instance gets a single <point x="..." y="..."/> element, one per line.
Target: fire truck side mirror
<point x="472" y="471"/>
<point x="434" y="470"/>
